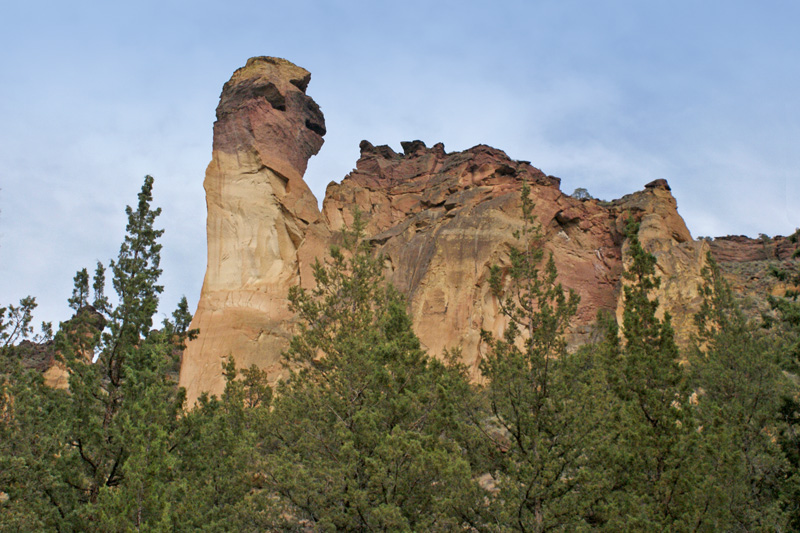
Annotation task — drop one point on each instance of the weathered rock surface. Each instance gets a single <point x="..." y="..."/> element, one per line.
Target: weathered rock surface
<point x="441" y="219"/>
<point x="259" y="211"/>
<point x="741" y="249"/>
<point x="748" y="265"/>
<point x="42" y="358"/>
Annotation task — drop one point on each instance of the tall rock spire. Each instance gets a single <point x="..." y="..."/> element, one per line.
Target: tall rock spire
<point x="259" y="210"/>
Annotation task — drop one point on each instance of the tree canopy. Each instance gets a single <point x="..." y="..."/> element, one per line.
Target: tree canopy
<point x="370" y="432"/>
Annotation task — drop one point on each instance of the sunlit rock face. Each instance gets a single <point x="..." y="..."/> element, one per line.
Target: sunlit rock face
<point x="440" y="219"/>
<point x="680" y="260"/>
<point x="259" y="212"/>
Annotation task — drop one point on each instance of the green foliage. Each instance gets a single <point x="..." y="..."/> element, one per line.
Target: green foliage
<point x="650" y="374"/>
<point x="100" y="302"/>
<point x="652" y="427"/>
<point x="785" y="331"/>
<point x="100" y="456"/>
<point x="15" y="322"/>
<point x="361" y="432"/>
<point x="80" y="291"/>
<point x="787" y="321"/>
<point x="219" y="475"/>
<point x="539" y="396"/>
<point x="738" y="389"/>
<point x="370" y="433"/>
<point x="581" y="194"/>
<point x="28" y="415"/>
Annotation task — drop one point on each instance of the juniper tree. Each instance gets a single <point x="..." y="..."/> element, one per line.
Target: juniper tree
<point x="360" y="435"/>
<point x="785" y="329"/>
<point x="29" y="413"/>
<point x="219" y="469"/>
<point x="539" y="397"/>
<point x="649" y="461"/>
<point x="738" y="385"/>
<point x="103" y="448"/>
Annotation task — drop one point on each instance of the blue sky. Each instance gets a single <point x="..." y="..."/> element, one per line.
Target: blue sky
<point x="607" y="95"/>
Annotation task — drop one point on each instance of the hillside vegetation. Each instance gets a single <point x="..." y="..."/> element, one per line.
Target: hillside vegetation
<point x="369" y="432"/>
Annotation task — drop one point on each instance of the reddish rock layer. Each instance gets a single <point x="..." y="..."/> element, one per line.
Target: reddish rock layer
<point x="741" y="249"/>
<point x="259" y="213"/>
<point x="441" y="219"/>
<point x="749" y="266"/>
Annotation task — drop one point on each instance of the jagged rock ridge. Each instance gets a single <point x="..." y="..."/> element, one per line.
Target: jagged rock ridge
<point x="441" y="219"/>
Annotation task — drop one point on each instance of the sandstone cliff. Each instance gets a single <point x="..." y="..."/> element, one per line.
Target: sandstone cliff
<point x="441" y="219"/>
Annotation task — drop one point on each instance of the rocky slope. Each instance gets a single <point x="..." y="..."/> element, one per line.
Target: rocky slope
<point x="749" y="265"/>
<point x="441" y="219"/>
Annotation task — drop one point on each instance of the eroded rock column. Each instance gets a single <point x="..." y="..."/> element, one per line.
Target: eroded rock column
<point x="259" y="211"/>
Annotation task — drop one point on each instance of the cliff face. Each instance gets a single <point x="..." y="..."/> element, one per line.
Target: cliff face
<point x="259" y="212"/>
<point x="441" y="219"/>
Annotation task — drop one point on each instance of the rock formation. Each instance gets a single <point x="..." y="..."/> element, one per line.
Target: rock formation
<point x="259" y="212"/>
<point x="441" y="220"/>
<point x="42" y="358"/>
<point x="46" y="359"/>
<point x="749" y="264"/>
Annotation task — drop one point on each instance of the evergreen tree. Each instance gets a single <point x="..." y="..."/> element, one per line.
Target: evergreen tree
<point x="101" y="455"/>
<point x="540" y="398"/>
<point x="360" y="436"/>
<point x="29" y="413"/>
<point x="124" y="409"/>
<point x="738" y="386"/>
<point x="220" y="478"/>
<point x="652" y="427"/>
<point x="785" y="329"/>
<point x="15" y="323"/>
<point x="80" y="291"/>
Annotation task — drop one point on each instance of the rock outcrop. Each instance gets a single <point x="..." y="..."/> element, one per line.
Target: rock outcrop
<point x="259" y="213"/>
<point x="441" y="220"/>
<point x="42" y="358"/>
<point x="741" y="249"/>
<point x="749" y="266"/>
